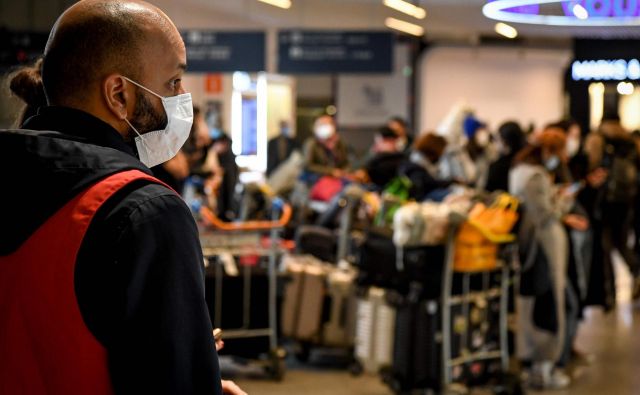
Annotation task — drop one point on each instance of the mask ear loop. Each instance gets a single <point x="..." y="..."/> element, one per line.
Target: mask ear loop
<point x="125" y="118"/>
<point x="143" y="87"/>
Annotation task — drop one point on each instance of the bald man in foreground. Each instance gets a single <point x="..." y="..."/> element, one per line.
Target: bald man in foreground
<point x="101" y="270"/>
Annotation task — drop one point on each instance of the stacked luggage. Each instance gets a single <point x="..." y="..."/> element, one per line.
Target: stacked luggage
<point x="319" y="304"/>
<point x="449" y="319"/>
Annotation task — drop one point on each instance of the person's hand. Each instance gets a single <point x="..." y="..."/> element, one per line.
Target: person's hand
<point x="576" y="222"/>
<point x="359" y="176"/>
<point x="230" y="388"/>
<point x="337" y="173"/>
<point x="597" y="177"/>
<point x="219" y="342"/>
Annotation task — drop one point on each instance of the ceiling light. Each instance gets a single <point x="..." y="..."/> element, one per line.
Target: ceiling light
<point x="406" y="7"/>
<point x="286" y="4"/>
<point x="506" y="30"/>
<point x="625" y="88"/>
<point x="503" y="10"/>
<point x="580" y="12"/>
<point x="404" y="27"/>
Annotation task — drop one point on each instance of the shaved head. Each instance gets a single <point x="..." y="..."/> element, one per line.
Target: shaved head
<point x="95" y="38"/>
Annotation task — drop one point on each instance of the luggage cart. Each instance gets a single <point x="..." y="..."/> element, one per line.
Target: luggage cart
<point x="241" y="239"/>
<point x="490" y="289"/>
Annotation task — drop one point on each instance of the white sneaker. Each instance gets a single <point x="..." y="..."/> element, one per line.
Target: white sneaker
<point x="544" y="376"/>
<point x="557" y="380"/>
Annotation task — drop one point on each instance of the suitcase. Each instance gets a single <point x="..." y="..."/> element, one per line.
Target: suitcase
<point x="417" y="344"/>
<point x="340" y="309"/>
<point x="378" y="265"/>
<point x="303" y="298"/>
<point x="318" y="241"/>
<point x="232" y="311"/>
<point x="374" y="331"/>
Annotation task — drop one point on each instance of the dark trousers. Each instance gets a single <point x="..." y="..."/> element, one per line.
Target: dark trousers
<point x="617" y="220"/>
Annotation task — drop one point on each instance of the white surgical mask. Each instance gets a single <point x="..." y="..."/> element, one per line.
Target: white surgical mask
<point x="482" y="138"/>
<point x="401" y="143"/>
<point x="552" y="163"/>
<point x="324" y="131"/>
<point x="573" y="146"/>
<point x="159" y="146"/>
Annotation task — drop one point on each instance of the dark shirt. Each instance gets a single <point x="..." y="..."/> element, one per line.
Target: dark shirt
<point x="422" y="182"/>
<point x="278" y="150"/>
<point x="498" y="175"/>
<point x="139" y="276"/>
<point x="165" y="176"/>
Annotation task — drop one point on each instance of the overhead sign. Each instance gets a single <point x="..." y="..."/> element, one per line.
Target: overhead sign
<point x="605" y="70"/>
<point x="214" y="51"/>
<point x="370" y="100"/>
<point x="307" y="51"/>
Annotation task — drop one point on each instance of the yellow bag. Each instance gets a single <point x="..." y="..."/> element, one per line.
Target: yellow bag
<point x="496" y="221"/>
<point x="476" y="244"/>
<point x="473" y="251"/>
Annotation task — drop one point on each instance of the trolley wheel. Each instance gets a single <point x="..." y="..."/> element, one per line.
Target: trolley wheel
<point x="356" y="368"/>
<point x="276" y="366"/>
<point x="303" y="352"/>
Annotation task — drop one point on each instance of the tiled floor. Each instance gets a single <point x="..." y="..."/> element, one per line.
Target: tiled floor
<point x="614" y="339"/>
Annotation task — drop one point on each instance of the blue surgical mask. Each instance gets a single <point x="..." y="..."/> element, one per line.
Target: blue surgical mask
<point x="552" y="163"/>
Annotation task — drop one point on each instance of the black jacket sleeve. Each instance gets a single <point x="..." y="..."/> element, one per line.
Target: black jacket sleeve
<point x="422" y="183"/>
<point x="140" y="287"/>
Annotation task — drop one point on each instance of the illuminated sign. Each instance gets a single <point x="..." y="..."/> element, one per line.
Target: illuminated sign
<point x="605" y="70"/>
<point x="597" y="12"/>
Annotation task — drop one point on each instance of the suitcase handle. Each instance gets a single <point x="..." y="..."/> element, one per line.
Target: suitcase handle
<point x="212" y="219"/>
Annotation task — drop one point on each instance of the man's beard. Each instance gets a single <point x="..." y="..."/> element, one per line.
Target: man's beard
<point x="145" y="118"/>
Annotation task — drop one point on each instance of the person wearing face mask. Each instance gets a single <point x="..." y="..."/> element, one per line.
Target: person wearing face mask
<point x="101" y="269"/>
<point x="400" y="128"/>
<point x="544" y="256"/>
<point x="575" y="178"/>
<point x="479" y="147"/>
<point x="511" y="139"/>
<point x="325" y="154"/>
<point x="422" y="166"/>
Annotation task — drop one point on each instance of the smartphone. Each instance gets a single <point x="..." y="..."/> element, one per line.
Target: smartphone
<point x="574" y="188"/>
<point x="217" y="334"/>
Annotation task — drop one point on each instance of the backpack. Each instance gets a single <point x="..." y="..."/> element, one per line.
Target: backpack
<point x="620" y="158"/>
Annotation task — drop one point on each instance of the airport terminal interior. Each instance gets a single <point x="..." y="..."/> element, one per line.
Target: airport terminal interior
<point x="368" y="197"/>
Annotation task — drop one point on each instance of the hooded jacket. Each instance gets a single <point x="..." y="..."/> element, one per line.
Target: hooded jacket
<point x="139" y="278"/>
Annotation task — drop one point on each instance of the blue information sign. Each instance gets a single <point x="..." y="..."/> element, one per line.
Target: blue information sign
<point x="308" y="51"/>
<point x="214" y="51"/>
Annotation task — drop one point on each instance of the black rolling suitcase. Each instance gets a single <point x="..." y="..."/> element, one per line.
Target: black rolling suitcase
<point x="233" y="314"/>
<point x="382" y="265"/>
<point x="318" y="241"/>
<point x="417" y="345"/>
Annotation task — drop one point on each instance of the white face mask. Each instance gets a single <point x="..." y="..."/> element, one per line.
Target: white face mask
<point x="324" y="131"/>
<point x="482" y="138"/>
<point x="159" y="146"/>
<point x="552" y="163"/>
<point x="573" y="146"/>
<point x="401" y="143"/>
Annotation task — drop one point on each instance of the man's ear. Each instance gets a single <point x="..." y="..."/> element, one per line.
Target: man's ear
<point x="118" y="95"/>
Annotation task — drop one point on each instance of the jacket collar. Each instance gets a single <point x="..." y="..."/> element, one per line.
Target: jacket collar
<point x="80" y="126"/>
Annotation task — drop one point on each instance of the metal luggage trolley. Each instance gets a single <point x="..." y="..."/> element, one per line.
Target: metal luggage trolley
<point x="490" y="289"/>
<point x="241" y="239"/>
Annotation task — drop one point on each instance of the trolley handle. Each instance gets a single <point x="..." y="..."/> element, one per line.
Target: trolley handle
<point x="212" y="219"/>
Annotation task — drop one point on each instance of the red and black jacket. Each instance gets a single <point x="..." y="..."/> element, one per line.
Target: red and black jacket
<point x="136" y="279"/>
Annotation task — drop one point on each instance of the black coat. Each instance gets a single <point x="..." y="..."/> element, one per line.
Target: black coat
<point x="422" y="182"/>
<point x="139" y="275"/>
<point x="498" y="175"/>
